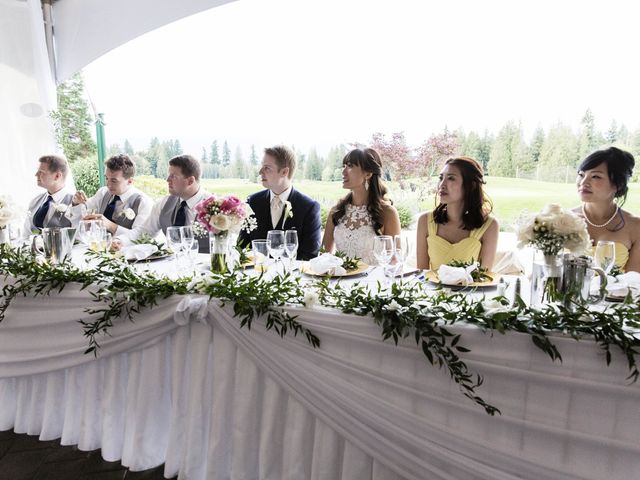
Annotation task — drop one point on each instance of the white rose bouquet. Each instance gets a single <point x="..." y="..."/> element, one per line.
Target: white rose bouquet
<point x="9" y="211"/>
<point x="552" y="230"/>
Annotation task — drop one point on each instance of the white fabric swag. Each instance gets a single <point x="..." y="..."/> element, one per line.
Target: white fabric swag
<point x="184" y="385"/>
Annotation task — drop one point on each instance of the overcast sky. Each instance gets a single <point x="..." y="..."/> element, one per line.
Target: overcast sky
<point x="324" y="72"/>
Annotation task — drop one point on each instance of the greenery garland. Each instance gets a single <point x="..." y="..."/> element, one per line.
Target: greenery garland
<point x="403" y="310"/>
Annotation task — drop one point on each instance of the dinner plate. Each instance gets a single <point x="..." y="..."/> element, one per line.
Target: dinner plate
<point x="432" y="277"/>
<point x="361" y="268"/>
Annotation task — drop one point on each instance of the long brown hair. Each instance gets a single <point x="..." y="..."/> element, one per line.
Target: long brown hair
<point x="369" y="161"/>
<point x="477" y="206"/>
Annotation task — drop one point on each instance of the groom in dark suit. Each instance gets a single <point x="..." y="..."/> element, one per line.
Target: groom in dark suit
<point x="282" y="207"/>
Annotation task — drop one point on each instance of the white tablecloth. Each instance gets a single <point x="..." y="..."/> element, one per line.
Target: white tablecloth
<point x="214" y="401"/>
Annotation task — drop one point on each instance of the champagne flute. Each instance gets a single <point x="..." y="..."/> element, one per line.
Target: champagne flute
<point x="383" y="250"/>
<point x="275" y="243"/>
<point x="260" y="253"/>
<point x="291" y="246"/>
<point x="605" y="255"/>
<point x="174" y="239"/>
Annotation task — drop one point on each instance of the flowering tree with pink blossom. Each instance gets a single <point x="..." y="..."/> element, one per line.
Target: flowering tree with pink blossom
<point x="431" y="155"/>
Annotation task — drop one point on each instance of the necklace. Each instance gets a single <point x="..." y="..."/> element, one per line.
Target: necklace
<point x="584" y="214"/>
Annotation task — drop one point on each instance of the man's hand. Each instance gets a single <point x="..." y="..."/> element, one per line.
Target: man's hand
<point x="108" y="224"/>
<point x="78" y="198"/>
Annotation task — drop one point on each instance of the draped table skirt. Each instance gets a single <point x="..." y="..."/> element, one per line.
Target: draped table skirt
<point x="184" y="385"/>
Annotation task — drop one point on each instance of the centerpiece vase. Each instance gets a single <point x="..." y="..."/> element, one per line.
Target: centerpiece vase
<point x="219" y="248"/>
<point x="546" y="278"/>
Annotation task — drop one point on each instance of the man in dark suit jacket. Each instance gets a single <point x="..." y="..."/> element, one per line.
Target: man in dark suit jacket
<point x="281" y="207"/>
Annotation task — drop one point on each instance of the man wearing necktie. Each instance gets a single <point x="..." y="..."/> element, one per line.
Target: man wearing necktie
<point x="177" y="208"/>
<point x="122" y="208"/>
<point x="50" y="209"/>
<point x="282" y="207"/>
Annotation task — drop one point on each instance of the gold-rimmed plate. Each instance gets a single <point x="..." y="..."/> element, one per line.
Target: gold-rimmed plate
<point x="360" y="269"/>
<point x="432" y="277"/>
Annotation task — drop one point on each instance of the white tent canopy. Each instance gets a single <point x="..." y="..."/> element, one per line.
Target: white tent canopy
<point x="82" y="30"/>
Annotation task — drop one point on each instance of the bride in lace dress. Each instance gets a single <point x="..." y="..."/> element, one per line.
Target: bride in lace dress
<point x="364" y="213"/>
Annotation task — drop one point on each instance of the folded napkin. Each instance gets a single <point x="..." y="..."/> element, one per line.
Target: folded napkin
<point x="456" y="275"/>
<point x="618" y="286"/>
<point x="139" y="252"/>
<point x="327" y="263"/>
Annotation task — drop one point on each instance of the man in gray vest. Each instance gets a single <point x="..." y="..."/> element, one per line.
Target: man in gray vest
<point x="51" y="208"/>
<point x="176" y="209"/>
<point x="122" y="208"/>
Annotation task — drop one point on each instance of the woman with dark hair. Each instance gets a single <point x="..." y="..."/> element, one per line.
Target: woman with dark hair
<point x="602" y="186"/>
<point x="460" y="228"/>
<point x="364" y="213"/>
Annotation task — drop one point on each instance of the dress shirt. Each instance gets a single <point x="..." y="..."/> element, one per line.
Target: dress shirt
<point x="93" y="203"/>
<point x="152" y="226"/>
<point x="33" y="208"/>
<point x="276" y="212"/>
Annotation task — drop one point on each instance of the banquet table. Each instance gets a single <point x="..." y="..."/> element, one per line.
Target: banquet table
<point x="182" y="384"/>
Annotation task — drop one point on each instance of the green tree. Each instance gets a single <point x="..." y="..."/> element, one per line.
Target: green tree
<point x="484" y="152"/>
<point x="559" y="154"/>
<point x="214" y="156"/>
<point x="239" y="169"/>
<point x="226" y="154"/>
<point x="253" y="157"/>
<point x="152" y="155"/>
<point x="72" y="120"/>
<point x="113" y="149"/>
<point x="537" y="143"/>
<point x="588" y="141"/>
<point x="612" y="134"/>
<point x="204" y="158"/>
<point x="313" y="166"/>
<point x="508" y="152"/>
<point x="128" y="148"/>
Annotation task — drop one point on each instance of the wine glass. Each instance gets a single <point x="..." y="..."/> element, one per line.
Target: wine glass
<point x="275" y="243"/>
<point x="174" y="239"/>
<point x="291" y="246"/>
<point x="400" y="253"/>
<point x="192" y="250"/>
<point x="260" y="254"/>
<point x="605" y="255"/>
<point x="187" y="238"/>
<point x="383" y="250"/>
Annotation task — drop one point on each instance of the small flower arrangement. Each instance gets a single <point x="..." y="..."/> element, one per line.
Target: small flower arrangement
<point x="128" y="213"/>
<point x="9" y="211"/>
<point x="60" y="207"/>
<point x="223" y="215"/>
<point x="288" y="209"/>
<point x="552" y="230"/>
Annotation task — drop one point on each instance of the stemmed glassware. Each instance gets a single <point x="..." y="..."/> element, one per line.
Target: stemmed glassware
<point x="174" y="237"/>
<point x="383" y="248"/>
<point x="275" y="243"/>
<point x="187" y="238"/>
<point x="605" y="255"/>
<point x="291" y="246"/>
<point x="400" y="254"/>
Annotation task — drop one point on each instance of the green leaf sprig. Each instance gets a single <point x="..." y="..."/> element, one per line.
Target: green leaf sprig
<point x="479" y="274"/>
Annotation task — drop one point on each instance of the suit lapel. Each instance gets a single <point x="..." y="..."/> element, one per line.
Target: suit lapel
<point x="283" y="218"/>
<point x="266" y="210"/>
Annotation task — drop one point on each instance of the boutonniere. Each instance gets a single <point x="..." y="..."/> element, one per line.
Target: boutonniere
<point x="288" y="209"/>
<point x="60" y="207"/>
<point x="128" y="213"/>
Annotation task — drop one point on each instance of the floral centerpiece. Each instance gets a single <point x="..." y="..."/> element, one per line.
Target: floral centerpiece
<point x="551" y="232"/>
<point x="222" y="217"/>
<point x="9" y="212"/>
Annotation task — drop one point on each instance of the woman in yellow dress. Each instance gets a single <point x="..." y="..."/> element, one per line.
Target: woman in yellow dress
<point x="602" y="186"/>
<point x="460" y="228"/>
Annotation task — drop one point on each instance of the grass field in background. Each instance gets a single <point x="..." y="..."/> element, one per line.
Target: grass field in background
<point x="510" y="196"/>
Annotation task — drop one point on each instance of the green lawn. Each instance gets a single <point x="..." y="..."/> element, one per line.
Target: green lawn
<point x="510" y="196"/>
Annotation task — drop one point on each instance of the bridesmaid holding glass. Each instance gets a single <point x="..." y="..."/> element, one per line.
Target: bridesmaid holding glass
<point x="602" y="185"/>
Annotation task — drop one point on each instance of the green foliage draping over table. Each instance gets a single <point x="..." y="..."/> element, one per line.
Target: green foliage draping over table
<point x="405" y="310"/>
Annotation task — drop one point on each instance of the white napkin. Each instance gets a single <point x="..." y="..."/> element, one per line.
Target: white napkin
<point x="327" y="263"/>
<point x="139" y="252"/>
<point x="456" y="275"/>
<point x="618" y="286"/>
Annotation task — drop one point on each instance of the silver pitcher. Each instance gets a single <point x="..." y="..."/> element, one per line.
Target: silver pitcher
<point x="54" y="243"/>
<point x="577" y="273"/>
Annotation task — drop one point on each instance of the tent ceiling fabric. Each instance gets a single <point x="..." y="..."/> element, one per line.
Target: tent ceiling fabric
<point x="86" y="29"/>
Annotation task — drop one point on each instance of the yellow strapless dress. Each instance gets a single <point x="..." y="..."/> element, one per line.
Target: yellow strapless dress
<point x="442" y="252"/>
<point x="622" y="254"/>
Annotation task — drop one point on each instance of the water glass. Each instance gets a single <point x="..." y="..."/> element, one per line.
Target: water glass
<point x="174" y="239"/>
<point x="400" y="254"/>
<point x="383" y="249"/>
<point x="291" y="246"/>
<point x="260" y="254"/>
<point x="275" y="243"/>
<point x="187" y="238"/>
<point x="605" y="255"/>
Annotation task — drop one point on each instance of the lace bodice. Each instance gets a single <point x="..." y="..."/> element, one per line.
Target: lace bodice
<point x="354" y="234"/>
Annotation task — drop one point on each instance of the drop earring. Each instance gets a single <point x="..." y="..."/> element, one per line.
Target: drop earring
<point x="366" y="184"/>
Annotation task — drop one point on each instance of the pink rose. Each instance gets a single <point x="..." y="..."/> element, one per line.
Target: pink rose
<point x="230" y="203"/>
